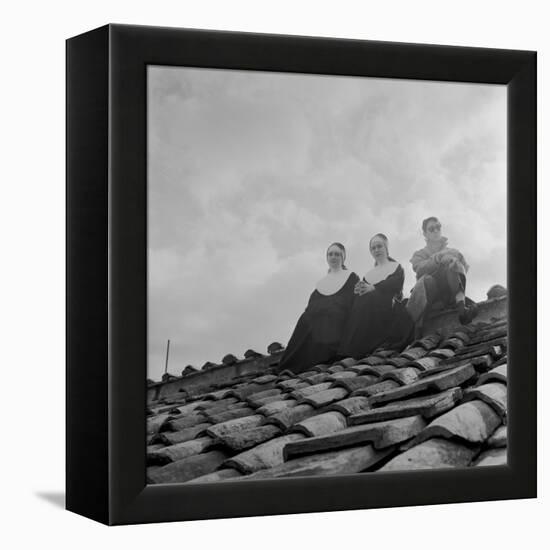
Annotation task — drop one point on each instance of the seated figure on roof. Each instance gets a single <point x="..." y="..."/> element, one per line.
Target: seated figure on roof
<point x="317" y="335"/>
<point x="373" y="314"/>
<point x="441" y="276"/>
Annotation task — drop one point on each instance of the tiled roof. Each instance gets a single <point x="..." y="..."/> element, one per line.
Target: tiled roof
<point x="439" y="403"/>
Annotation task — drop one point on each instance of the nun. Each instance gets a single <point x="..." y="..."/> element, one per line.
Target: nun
<point x="318" y="333"/>
<point x="372" y="314"/>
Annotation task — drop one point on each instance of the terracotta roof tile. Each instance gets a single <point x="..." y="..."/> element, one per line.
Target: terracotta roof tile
<point x="429" y="342"/>
<point x="453" y="343"/>
<point x="493" y="457"/>
<point x="326" y="397"/>
<point x="310" y="390"/>
<point x="153" y="410"/>
<point x="373" y="360"/>
<point x="490" y="335"/>
<point x="186" y="421"/>
<point x="318" y="378"/>
<point x="428" y="407"/>
<point x="213" y="406"/>
<point x="499" y="437"/>
<point x="346" y="363"/>
<point x="236" y="411"/>
<point x="375" y="389"/>
<point x="434" y="453"/>
<point x="496" y="291"/>
<point x="345" y="461"/>
<point x="171" y="438"/>
<point x="189" y="369"/>
<point x="497" y="374"/>
<point x="228" y="427"/>
<point x="260" y="402"/>
<point x="380" y="434"/>
<point x="250" y="354"/>
<point x="155" y="423"/>
<point x="483" y="360"/>
<point x="495" y="348"/>
<point x="494" y="394"/>
<point x="376" y="370"/>
<point x="150" y="470"/>
<point x="229" y="359"/>
<point x="342" y="374"/>
<point x="286" y="373"/>
<point x="238" y="441"/>
<point x="404" y="375"/>
<point x="288" y="417"/>
<point x="264" y="379"/>
<point x="472" y="422"/>
<point x="179" y="451"/>
<point x="154" y="447"/>
<point x="249" y="389"/>
<point x="219" y="394"/>
<point x="385" y="353"/>
<point x="398" y="361"/>
<point x="351" y="405"/>
<point x="436" y="383"/>
<point x="321" y="367"/>
<point x="170" y="409"/>
<point x="274" y="348"/>
<point x="264" y="393"/>
<point x="464" y="334"/>
<point x="291" y="384"/>
<point x="445" y="367"/>
<point x="264" y="456"/>
<point x="188" y="468"/>
<point x="276" y="407"/>
<point x="426" y="363"/>
<point x="414" y="353"/>
<point x="352" y="384"/>
<point x="321" y="424"/>
<point x="442" y="353"/>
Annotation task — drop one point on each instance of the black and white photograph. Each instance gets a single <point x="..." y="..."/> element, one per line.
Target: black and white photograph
<point x="326" y="275"/>
<point x="274" y="275"/>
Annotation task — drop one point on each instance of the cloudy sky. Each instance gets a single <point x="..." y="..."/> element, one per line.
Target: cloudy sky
<point x="251" y="176"/>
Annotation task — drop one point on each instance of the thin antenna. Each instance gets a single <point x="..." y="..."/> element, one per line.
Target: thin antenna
<point x="167" y="352"/>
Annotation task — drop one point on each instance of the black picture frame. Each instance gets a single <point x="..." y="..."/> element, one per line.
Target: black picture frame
<point x="107" y="272"/>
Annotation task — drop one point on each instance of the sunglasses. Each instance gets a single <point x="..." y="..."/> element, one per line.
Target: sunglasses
<point x="434" y="228"/>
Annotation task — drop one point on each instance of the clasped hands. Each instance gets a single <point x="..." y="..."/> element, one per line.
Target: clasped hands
<point x="362" y="287"/>
<point x="448" y="260"/>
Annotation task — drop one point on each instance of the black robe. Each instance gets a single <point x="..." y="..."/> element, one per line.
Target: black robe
<point x="318" y="332"/>
<point x="372" y="317"/>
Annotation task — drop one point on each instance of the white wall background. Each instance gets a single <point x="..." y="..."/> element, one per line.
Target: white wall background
<point x="32" y="277"/>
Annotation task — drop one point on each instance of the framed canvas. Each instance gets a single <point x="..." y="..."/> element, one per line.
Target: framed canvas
<point x="212" y="179"/>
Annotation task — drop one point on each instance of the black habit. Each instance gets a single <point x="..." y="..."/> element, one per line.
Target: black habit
<point x="372" y="317"/>
<point x="318" y="332"/>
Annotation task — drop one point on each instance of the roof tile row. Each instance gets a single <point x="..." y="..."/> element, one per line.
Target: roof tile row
<point x="440" y="403"/>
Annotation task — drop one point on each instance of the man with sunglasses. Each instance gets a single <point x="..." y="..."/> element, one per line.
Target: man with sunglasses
<point x="441" y="277"/>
